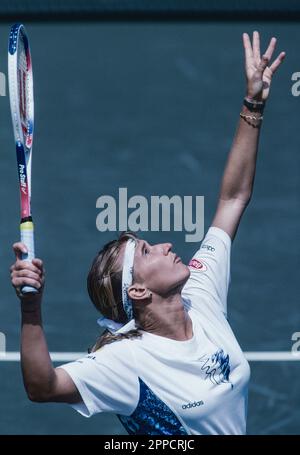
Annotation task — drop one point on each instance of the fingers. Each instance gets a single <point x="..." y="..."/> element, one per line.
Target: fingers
<point x="18" y="283"/>
<point x="38" y="263"/>
<point x="248" y="48"/>
<point x="263" y="64"/>
<point x="270" y="49"/>
<point x="26" y="278"/>
<point x="256" y="47"/>
<point x="19" y="248"/>
<point x="25" y="268"/>
<point x="35" y="266"/>
<point x="277" y="62"/>
<point x="252" y="53"/>
<point x="26" y="273"/>
<point x="18" y="266"/>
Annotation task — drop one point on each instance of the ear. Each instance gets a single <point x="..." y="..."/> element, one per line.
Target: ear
<point x="138" y="292"/>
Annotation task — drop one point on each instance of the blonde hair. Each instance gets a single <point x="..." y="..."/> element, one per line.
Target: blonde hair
<point x="104" y="284"/>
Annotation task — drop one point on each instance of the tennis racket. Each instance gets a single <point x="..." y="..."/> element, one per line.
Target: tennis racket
<point x="20" y="83"/>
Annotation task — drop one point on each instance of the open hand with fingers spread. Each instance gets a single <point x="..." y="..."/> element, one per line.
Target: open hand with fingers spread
<point x="26" y="273"/>
<point x="258" y="69"/>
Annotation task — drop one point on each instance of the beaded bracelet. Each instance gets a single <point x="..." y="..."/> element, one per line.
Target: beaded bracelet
<point x="251" y="117"/>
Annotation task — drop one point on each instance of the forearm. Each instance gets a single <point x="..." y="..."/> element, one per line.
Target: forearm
<point x="38" y="372"/>
<point x="238" y="179"/>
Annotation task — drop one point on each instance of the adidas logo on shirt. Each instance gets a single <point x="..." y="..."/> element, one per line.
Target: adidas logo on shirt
<point x="192" y="405"/>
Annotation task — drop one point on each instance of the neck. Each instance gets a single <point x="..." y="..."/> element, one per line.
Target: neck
<point x="167" y="317"/>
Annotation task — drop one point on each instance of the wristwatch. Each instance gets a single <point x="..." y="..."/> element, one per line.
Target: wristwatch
<point x="254" y="106"/>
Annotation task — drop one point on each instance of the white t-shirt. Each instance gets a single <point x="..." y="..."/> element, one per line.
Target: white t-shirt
<point x="157" y="385"/>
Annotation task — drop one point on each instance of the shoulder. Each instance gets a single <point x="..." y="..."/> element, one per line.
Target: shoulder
<point x="120" y="350"/>
<point x="217" y="235"/>
<point x="112" y="359"/>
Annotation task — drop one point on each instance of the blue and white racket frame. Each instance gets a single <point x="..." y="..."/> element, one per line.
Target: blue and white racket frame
<point x="22" y="112"/>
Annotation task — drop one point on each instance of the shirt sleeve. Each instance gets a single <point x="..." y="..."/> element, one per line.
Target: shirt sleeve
<point x="106" y="381"/>
<point x="210" y="271"/>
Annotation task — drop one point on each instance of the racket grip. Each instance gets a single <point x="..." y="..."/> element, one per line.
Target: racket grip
<point x="27" y="237"/>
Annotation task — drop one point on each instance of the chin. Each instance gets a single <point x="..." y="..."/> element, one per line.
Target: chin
<point x="185" y="274"/>
<point x="186" y="267"/>
<point x="188" y="272"/>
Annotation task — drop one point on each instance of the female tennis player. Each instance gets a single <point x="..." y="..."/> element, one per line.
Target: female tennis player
<point x="168" y="362"/>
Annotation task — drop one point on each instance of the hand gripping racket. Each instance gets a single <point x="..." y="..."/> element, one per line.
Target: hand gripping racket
<point x="20" y="83"/>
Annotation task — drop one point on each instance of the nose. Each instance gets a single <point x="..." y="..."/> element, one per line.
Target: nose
<point x="166" y="247"/>
<point x="163" y="248"/>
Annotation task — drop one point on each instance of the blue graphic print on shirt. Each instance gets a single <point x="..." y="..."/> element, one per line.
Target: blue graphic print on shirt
<point x="216" y="367"/>
<point x="151" y="416"/>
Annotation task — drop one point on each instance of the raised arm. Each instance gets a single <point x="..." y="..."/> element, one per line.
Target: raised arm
<point x="41" y="380"/>
<point x="238" y="178"/>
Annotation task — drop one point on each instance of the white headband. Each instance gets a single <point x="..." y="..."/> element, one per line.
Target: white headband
<point x="127" y="277"/>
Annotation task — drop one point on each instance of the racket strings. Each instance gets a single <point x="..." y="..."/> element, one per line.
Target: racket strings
<point x="25" y="95"/>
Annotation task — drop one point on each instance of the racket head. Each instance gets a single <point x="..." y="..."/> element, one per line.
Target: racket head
<point x="21" y="85"/>
<point x="20" y="81"/>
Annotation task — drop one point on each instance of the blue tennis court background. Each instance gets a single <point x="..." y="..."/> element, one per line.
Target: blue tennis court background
<point x="152" y="107"/>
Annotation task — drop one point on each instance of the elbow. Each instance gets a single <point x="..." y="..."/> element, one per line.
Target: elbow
<point x="246" y="199"/>
<point x="243" y="198"/>
<point x="239" y="201"/>
<point x="37" y="395"/>
<point x="34" y="398"/>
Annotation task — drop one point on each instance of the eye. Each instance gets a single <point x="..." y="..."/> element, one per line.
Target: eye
<point x="146" y="251"/>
